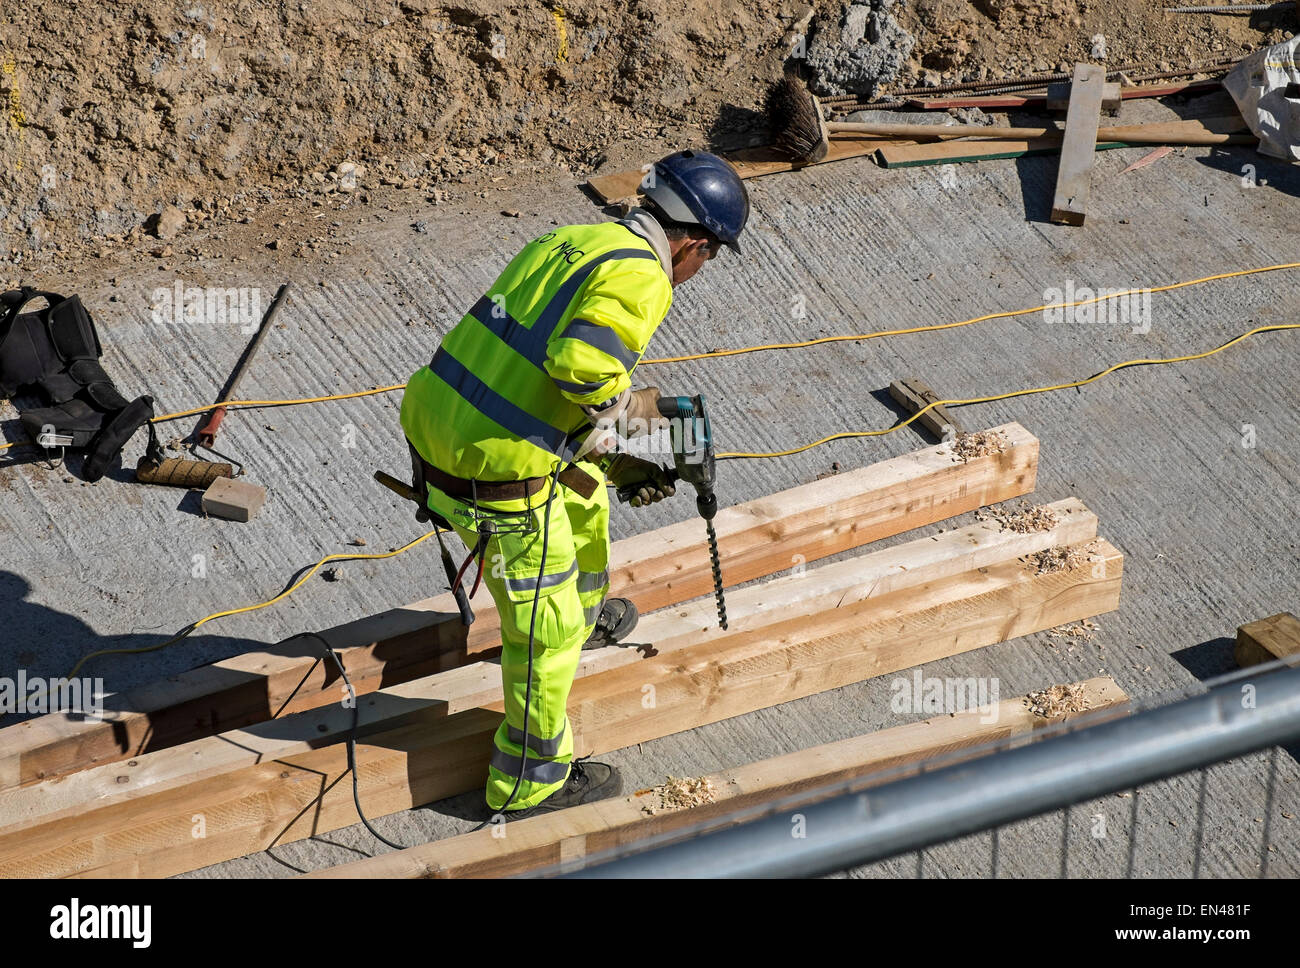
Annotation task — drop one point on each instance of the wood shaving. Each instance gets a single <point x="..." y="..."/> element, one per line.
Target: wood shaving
<point x="1057" y="700"/>
<point x="1025" y="519"/>
<point x="1051" y="560"/>
<point x="681" y="793"/>
<point x="980" y="443"/>
<point x="1083" y="630"/>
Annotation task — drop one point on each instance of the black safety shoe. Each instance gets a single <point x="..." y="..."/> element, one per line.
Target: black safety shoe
<point x="587" y="783"/>
<point x="618" y="617"/>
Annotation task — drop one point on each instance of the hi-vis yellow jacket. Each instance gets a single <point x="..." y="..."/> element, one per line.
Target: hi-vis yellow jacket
<point x="565" y="324"/>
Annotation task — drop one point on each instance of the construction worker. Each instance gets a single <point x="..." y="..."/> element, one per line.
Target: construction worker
<point x="515" y="426"/>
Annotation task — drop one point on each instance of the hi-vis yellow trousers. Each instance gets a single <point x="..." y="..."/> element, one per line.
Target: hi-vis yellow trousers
<point x="572" y="587"/>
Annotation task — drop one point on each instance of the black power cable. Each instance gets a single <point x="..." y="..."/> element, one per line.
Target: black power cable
<point x="352" y="739"/>
<point x="532" y="627"/>
<point x="528" y="687"/>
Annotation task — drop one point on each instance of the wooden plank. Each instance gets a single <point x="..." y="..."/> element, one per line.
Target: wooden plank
<point x="566" y="838"/>
<point x="926" y="559"/>
<point x="150" y="833"/>
<point x="960" y="152"/>
<point x="1216" y="130"/>
<point x="1078" y="145"/>
<point x="1220" y="129"/>
<point x="1268" y="639"/>
<point x="748" y="162"/>
<point x="657" y="569"/>
<point x="914" y="395"/>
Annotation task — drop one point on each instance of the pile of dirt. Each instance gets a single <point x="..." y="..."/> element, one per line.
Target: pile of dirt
<point x="959" y="41"/>
<point x="154" y="119"/>
<point x="181" y="114"/>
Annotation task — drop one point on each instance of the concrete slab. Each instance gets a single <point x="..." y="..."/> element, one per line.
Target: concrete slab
<point x="1192" y="467"/>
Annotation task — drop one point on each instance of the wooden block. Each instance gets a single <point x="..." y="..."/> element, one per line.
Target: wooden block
<point x="233" y="499"/>
<point x="568" y="837"/>
<point x="914" y="395"/>
<point x="140" y="822"/>
<point x="1058" y="97"/>
<point x="1079" y="145"/>
<point x="656" y="569"/>
<point x="1268" y="639"/>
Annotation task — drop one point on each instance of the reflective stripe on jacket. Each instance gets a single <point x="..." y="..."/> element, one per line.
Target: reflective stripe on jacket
<point x="565" y="324"/>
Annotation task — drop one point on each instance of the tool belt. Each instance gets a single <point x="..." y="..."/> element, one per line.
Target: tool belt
<point x="467" y="490"/>
<point x="574" y="478"/>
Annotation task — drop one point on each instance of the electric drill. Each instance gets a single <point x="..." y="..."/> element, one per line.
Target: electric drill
<point x="693" y="463"/>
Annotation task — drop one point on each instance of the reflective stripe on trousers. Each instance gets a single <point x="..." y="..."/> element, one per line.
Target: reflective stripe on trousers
<point x="542" y="747"/>
<point x="577" y="556"/>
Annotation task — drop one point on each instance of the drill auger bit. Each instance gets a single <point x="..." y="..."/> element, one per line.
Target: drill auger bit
<point x="716" y="560"/>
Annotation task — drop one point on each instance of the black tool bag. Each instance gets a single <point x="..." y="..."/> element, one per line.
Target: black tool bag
<point x="55" y="351"/>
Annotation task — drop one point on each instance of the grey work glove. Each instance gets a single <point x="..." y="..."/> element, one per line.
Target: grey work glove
<point x="643" y="482"/>
<point x="643" y="416"/>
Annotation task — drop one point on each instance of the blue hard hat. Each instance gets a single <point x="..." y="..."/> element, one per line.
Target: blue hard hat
<point x="699" y="188"/>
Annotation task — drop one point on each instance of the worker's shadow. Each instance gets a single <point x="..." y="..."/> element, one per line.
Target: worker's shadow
<point x="44" y="643"/>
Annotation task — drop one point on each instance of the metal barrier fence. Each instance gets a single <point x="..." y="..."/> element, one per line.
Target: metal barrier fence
<point x="974" y="796"/>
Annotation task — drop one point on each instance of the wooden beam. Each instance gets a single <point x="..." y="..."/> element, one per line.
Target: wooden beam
<point x="566" y="838"/>
<point x="754" y="607"/>
<point x="657" y="569"/>
<point x="1268" y="639"/>
<point x="1200" y="131"/>
<point x="149" y="832"/>
<point x="1079" y="145"/>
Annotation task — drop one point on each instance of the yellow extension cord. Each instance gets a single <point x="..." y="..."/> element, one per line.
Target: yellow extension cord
<point x="245" y="404"/>
<point x="249" y="608"/>
<point x="238" y="404"/>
